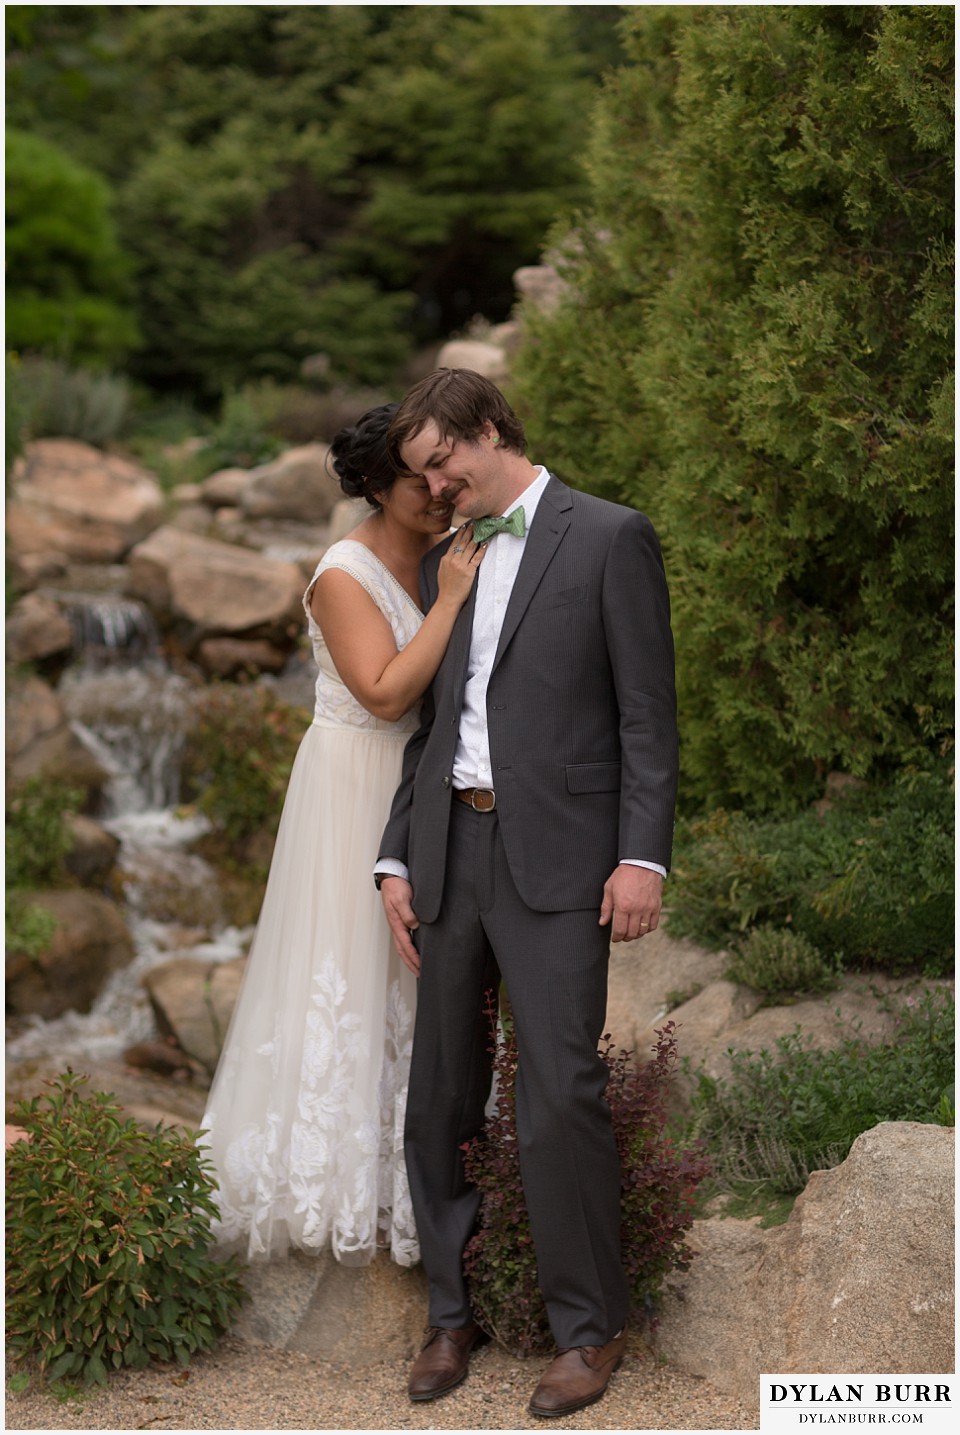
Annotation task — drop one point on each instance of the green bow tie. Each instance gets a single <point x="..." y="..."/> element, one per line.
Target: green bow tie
<point x="485" y="528"/>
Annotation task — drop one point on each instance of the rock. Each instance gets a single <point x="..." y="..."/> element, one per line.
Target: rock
<point x="91" y="941"/>
<point x="541" y="286"/>
<point x="858" y="1008"/>
<point x="73" y="499"/>
<point x="296" y="485"/>
<point x="13" y="1134"/>
<point x="225" y="657"/>
<point x="193" y="1001"/>
<point x="357" y="1314"/>
<point x="474" y="354"/>
<point x="346" y="515"/>
<point x="860" y="1278"/>
<point x="164" y="1057"/>
<point x="41" y="743"/>
<point x="315" y="368"/>
<point x="649" y="980"/>
<point x="185" y="493"/>
<point x="93" y="852"/>
<point x="216" y="587"/>
<point x="224" y="488"/>
<point x="36" y="628"/>
<point x="30" y="569"/>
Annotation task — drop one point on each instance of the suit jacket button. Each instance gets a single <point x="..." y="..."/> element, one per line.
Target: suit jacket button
<point x="446" y="782"/>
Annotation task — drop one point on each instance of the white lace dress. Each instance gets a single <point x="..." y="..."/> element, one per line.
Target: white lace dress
<point x="305" y="1114"/>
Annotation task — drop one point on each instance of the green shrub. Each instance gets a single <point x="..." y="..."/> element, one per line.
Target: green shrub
<point x="756" y="348"/>
<point x="37" y="837"/>
<point x="108" y="1228"/>
<point x="776" y="961"/>
<point x="68" y="285"/>
<point x="658" y="1182"/>
<point x="36" y="841"/>
<point x="778" y="1116"/>
<point x="238" y="753"/>
<point x="870" y="881"/>
<point x="62" y="402"/>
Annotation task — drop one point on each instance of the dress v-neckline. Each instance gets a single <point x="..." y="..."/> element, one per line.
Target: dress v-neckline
<point x="392" y="576"/>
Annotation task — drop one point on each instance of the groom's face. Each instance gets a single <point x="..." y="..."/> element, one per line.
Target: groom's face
<point x="468" y="475"/>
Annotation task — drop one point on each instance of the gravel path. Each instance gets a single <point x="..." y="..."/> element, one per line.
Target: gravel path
<point x="242" y="1386"/>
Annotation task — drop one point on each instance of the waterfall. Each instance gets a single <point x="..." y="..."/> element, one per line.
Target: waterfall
<point x="109" y="630"/>
<point x="134" y="720"/>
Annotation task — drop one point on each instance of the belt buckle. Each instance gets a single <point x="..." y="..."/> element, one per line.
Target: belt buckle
<point x="484" y="793"/>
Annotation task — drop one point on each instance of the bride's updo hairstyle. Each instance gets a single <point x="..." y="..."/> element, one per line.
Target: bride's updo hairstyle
<point x="358" y="455"/>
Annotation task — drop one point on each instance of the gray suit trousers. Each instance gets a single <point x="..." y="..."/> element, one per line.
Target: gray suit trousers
<point x="554" y="965"/>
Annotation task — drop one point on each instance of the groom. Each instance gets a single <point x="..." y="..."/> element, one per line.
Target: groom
<point x="532" y="825"/>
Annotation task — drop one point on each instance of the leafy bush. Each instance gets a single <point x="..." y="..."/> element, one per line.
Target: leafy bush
<point x="870" y="881"/>
<point x="237" y="758"/>
<point x="62" y="402"/>
<point x="67" y="277"/>
<point x="778" y="1116"/>
<point x="37" y="837"/>
<point x="657" y="1191"/>
<point x="108" y="1228"/>
<point x="36" y="841"/>
<point x="777" y="961"/>
<point x="756" y="348"/>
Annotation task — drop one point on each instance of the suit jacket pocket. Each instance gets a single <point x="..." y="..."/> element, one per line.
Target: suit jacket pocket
<point x="593" y="777"/>
<point x="565" y="595"/>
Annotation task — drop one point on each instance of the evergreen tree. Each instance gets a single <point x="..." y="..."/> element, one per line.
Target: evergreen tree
<point x="352" y="179"/>
<point x="757" y="351"/>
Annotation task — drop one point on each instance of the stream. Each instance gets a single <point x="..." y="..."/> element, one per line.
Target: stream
<point x="130" y="710"/>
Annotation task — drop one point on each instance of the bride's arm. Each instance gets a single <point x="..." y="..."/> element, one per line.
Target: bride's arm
<point x="360" y="641"/>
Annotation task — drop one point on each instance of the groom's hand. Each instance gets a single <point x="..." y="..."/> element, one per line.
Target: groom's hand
<point x="397" y="895"/>
<point x="632" y="896"/>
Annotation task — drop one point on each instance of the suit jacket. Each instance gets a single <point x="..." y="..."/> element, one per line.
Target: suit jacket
<point x="581" y="713"/>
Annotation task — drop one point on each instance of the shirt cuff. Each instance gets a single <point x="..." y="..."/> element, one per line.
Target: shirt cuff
<point x="390" y="867"/>
<point x="636" y="862"/>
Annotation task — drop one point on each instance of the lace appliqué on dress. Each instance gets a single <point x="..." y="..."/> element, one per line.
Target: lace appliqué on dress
<point x="332" y="1178"/>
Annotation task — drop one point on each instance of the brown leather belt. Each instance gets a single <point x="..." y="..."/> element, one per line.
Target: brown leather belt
<point x="481" y="799"/>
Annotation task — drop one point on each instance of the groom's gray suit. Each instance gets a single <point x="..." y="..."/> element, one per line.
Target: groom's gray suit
<point x="581" y="717"/>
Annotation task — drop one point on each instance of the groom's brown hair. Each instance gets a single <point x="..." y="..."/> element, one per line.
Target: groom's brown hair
<point x="460" y="403"/>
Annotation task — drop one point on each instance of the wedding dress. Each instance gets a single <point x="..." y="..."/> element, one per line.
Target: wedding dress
<point x="304" y="1119"/>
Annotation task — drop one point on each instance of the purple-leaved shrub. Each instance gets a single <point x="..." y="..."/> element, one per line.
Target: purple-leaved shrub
<point x="658" y="1185"/>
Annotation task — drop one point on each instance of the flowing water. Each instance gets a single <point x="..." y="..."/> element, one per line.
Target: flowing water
<point x="131" y="711"/>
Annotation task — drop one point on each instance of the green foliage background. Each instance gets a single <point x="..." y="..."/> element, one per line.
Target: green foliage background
<point x="292" y="179"/>
<point x="756" y="350"/>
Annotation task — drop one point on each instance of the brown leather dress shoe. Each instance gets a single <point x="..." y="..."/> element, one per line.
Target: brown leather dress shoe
<point x="444" y="1360"/>
<point x="577" y="1377"/>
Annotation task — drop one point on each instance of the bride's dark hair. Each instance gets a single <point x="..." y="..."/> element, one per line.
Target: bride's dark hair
<point x="358" y="455"/>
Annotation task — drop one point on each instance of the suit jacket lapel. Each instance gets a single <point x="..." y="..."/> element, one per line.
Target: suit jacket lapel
<point x="458" y="648"/>
<point x="550" y="523"/>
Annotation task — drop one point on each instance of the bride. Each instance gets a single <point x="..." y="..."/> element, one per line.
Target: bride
<point x="304" y="1121"/>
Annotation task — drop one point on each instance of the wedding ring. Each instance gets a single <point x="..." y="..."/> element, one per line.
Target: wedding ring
<point x="644" y="924"/>
<point x="458" y="550"/>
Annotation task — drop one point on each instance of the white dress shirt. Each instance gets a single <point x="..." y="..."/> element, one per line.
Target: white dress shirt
<point x="495" y="580"/>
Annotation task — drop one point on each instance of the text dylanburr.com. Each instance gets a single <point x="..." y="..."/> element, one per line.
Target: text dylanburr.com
<point x="818" y="1403"/>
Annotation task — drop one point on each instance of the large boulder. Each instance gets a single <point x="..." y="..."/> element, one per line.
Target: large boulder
<point x="298" y="485"/>
<point x="540" y="286"/>
<point x="193" y="1001"/>
<point x="37" y="629"/>
<point x="72" y="499"/>
<point x="216" y="587"/>
<point x="482" y="358"/>
<point x="93" y="850"/>
<point x="860" y="1278"/>
<point x="91" y="940"/>
<point x="40" y="741"/>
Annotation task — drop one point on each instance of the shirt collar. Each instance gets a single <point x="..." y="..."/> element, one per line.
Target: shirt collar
<point x="530" y="496"/>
